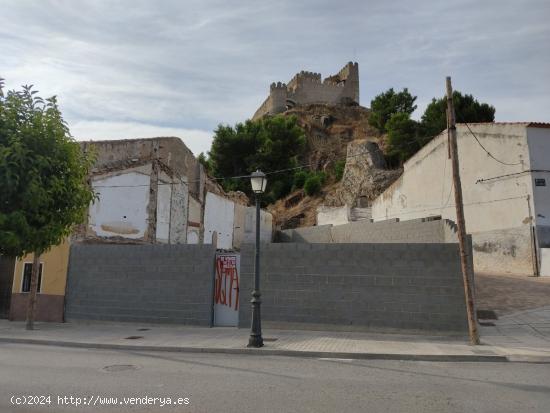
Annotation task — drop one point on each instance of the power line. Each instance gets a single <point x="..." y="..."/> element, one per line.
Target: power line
<point x="483" y="147"/>
<point x="243" y="176"/>
<point x="512" y="174"/>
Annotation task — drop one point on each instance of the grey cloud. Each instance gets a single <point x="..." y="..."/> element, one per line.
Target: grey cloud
<point x="192" y="64"/>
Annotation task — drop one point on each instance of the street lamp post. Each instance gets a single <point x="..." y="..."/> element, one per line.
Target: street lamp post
<point x="258" y="182"/>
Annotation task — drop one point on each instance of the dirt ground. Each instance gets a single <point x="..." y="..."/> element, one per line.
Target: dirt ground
<point x="510" y="293"/>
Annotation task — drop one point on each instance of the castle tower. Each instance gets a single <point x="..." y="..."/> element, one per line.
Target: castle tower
<point x="277" y="95"/>
<point x="306" y="88"/>
<point x="349" y="74"/>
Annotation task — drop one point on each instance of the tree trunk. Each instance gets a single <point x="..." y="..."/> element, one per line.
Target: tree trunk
<point x="31" y="304"/>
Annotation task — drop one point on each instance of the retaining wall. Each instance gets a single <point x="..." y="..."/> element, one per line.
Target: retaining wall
<point x="418" y="230"/>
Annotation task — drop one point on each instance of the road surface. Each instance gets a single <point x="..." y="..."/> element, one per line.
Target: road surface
<point x="134" y="381"/>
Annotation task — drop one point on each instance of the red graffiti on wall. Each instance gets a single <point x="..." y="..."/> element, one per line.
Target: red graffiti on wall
<point x="227" y="281"/>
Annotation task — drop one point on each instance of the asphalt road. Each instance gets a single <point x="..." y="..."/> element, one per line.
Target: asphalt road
<point x="239" y="383"/>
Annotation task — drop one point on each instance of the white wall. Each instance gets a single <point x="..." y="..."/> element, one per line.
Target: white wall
<point x="218" y="217"/>
<point x="244" y="230"/>
<point x="121" y="209"/>
<point x="425" y="189"/>
<point x="539" y="149"/>
<point x="164" y="194"/>
<point x="178" y="225"/>
<point x="193" y="221"/>
<point x="333" y="215"/>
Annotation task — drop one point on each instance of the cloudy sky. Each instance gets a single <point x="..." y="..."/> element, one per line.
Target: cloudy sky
<point x="142" y="68"/>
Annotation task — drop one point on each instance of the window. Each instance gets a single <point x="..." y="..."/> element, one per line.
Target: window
<point x="540" y="182"/>
<point x="27" y="272"/>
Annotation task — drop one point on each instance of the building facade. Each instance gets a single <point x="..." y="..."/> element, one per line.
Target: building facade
<point x="505" y="173"/>
<point x="52" y="279"/>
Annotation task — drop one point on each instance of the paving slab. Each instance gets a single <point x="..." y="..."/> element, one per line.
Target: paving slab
<point x="134" y="336"/>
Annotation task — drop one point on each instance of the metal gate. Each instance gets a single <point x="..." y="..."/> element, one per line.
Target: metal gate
<point x="226" y="289"/>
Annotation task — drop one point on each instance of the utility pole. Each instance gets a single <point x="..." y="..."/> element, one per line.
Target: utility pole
<point x="467" y="270"/>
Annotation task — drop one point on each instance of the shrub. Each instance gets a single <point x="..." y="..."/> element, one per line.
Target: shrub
<point x="339" y="168"/>
<point x="312" y="185"/>
<point x="300" y="178"/>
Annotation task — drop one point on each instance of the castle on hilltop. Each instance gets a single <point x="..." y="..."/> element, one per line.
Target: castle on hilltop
<point x="307" y="87"/>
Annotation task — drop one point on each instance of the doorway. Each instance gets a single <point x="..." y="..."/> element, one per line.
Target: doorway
<point x="7" y="266"/>
<point x="226" y="289"/>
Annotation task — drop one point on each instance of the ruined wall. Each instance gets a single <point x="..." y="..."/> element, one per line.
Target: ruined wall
<point x="164" y="207"/>
<point x="170" y="151"/>
<point x="179" y="213"/>
<point x="357" y="286"/>
<point x="121" y="207"/>
<point x="142" y="187"/>
<point x="194" y="221"/>
<point x="219" y="218"/>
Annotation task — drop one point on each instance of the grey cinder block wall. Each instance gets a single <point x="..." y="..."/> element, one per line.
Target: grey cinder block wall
<point x="392" y="285"/>
<point x="417" y="230"/>
<point x="146" y="283"/>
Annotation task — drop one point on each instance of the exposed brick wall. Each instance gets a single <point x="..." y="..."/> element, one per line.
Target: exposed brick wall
<point x="148" y="283"/>
<point x="402" y="286"/>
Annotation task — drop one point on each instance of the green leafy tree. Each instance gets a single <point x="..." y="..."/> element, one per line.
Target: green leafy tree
<point x="300" y="178"/>
<point x="205" y="162"/>
<point x="402" y="137"/>
<point x="313" y="184"/>
<point x="386" y="104"/>
<point x="268" y="144"/>
<point x="467" y="109"/>
<point x="43" y="175"/>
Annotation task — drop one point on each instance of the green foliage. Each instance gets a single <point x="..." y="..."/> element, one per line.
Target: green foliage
<point x="339" y="168"/>
<point x="268" y="144"/>
<point x="313" y="184"/>
<point x="300" y="178"/>
<point x="402" y="138"/>
<point x="386" y="104"/>
<point x="43" y="175"/>
<point x="467" y="109"/>
<point x="205" y="162"/>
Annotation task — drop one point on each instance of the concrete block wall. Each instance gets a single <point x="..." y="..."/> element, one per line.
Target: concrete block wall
<point x="145" y="283"/>
<point x="418" y="230"/>
<point x="349" y="286"/>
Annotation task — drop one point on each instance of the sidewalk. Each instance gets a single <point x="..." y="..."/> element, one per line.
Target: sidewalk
<point x="520" y="333"/>
<point x="301" y="343"/>
<point x="522" y="305"/>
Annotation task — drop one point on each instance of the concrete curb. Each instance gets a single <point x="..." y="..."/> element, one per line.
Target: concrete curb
<point x="276" y="352"/>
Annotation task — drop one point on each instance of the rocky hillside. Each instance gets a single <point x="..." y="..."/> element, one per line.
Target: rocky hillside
<point x="337" y="133"/>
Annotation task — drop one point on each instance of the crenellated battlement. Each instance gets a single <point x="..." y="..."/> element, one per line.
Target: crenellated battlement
<point x="278" y="85"/>
<point x="309" y="87"/>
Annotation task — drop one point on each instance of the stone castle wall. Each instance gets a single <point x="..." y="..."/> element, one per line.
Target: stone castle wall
<point x="308" y="87"/>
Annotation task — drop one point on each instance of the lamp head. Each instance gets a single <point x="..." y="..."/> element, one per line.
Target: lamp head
<point x="258" y="181"/>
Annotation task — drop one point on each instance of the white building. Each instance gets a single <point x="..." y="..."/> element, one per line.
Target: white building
<point x="506" y="190"/>
<point x="155" y="191"/>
